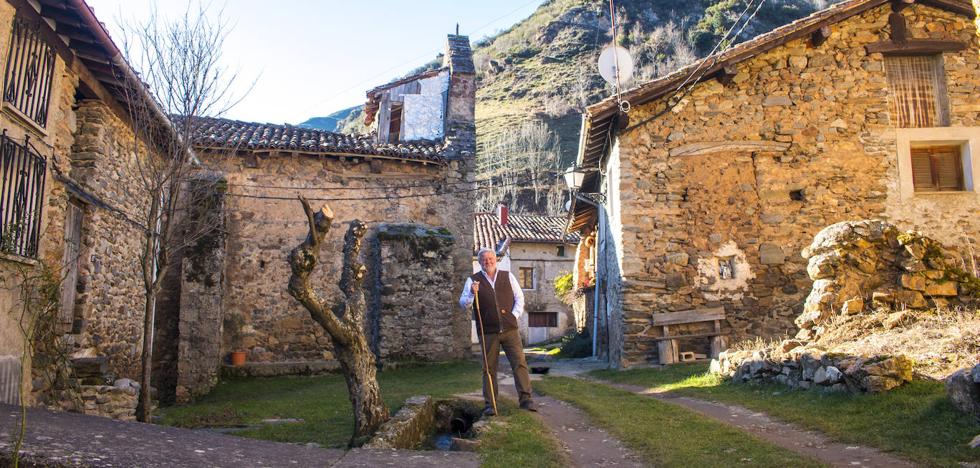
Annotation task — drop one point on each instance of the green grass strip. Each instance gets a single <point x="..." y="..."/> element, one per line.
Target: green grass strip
<point x="519" y="439"/>
<point x="320" y="401"/>
<point x="665" y="434"/>
<point x="915" y="421"/>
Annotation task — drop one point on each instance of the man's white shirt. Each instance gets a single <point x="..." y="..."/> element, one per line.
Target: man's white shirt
<point x="466" y="298"/>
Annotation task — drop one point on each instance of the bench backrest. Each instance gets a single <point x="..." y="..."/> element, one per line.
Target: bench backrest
<point x="689" y="316"/>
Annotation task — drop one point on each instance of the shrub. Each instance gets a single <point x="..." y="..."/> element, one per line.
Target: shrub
<point x="576" y="345"/>
<point x="563" y="285"/>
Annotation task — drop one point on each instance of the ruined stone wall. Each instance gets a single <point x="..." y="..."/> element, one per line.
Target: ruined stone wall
<point x="109" y="302"/>
<point x="747" y="173"/>
<point x="259" y="315"/>
<point x="416" y="317"/>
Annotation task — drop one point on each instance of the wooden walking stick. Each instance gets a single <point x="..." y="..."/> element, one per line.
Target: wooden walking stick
<point x="483" y="351"/>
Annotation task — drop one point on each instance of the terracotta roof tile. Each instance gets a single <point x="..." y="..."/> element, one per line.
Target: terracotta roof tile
<point x="487" y="232"/>
<point x="225" y="134"/>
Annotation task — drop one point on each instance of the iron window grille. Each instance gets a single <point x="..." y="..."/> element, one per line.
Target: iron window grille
<point x="22" y="174"/>
<point x="30" y="66"/>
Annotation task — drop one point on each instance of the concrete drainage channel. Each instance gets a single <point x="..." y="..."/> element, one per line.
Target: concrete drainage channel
<point x="425" y="424"/>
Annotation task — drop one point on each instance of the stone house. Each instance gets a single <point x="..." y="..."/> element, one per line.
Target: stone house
<point x="536" y="251"/>
<point x="725" y="169"/>
<point x="70" y="197"/>
<point x="408" y="181"/>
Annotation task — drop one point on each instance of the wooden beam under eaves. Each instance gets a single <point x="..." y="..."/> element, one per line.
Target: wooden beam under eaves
<point x="820" y="36"/>
<point x="727" y="73"/>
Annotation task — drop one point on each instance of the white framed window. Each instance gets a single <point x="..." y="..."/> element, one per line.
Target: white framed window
<point x="938" y="160"/>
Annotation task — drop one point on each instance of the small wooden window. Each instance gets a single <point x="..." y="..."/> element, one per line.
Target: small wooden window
<point x="937" y="169"/>
<point x="73" y="247"/>
<point x="30" y="65"/>
<point x="526" y="277"/>
<point x="561" y="250"/>
<point x="542" y="319"/>
<point x="918" y="89"/>
<point x="395" y="123"/>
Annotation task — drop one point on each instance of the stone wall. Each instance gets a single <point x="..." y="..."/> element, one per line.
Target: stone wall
<point x="259" y="316"/>
<point x="201" y="291"/>
<point x="109" y="302"/>
<point x="746" y="174"/>
<point x="415" y="317"/>
<point x="858" y="268"/>
<point x="865" y="265"/>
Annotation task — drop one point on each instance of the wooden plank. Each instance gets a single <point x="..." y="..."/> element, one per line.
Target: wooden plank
<point x="689" y="316"/>
<point x="915" y="47"/>
<point x="684" y="337"/>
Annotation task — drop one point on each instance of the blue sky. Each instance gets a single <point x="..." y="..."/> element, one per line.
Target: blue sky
<point x="312" y="57"/>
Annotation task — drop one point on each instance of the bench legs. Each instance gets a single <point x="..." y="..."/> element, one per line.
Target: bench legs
<point x="668" y="351"/>
<point x="718" y="344"/>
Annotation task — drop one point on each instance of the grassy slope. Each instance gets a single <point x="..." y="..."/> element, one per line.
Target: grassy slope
<point x="668" y="435"/>
<point x="916" y="420"/>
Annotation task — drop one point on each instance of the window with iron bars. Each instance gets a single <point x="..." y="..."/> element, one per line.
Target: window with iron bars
<point x="22" y="174"/>
<point x="30" y="66"/>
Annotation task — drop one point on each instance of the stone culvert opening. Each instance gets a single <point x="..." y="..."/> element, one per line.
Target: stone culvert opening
<point x="425" y="424"/>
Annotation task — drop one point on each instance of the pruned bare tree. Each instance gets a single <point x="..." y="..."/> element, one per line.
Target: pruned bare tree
<point x="180" y="78"/>
<point x="343" y="319"/>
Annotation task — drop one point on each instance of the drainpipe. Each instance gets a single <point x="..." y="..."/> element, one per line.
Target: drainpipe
<point x="595" y="307"/>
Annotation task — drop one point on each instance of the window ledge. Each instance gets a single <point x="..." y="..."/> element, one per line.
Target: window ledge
<point x="18" y="259"/>
<point x="24" y="119"/>
<point x="945" y="192"/>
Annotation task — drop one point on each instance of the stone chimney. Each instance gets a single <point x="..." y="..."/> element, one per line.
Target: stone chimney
<point x="461" y="102"/>
<point x="502" y="214"/>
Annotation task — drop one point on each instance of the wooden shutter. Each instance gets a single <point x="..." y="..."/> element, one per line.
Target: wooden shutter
<point x="542" y="319"/>
<point x="73" y="242"/>
<point x="918" y="90"/>
<point x="937" y="169"/>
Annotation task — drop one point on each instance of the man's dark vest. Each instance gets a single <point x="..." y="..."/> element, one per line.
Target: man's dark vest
<point x="496" y="304"/>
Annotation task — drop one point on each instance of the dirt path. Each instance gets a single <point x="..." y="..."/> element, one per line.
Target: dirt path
<point x="585" y="444"/>
<point x="808" y="443"/>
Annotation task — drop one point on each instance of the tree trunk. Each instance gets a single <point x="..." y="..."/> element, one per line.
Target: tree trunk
<point x="343" y="320"/>
<point x="360" y="371"/>
<point x="150" y="249"/>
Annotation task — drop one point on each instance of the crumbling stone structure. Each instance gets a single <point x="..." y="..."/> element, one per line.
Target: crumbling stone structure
<point x="411" y="319"/>
<point x="857" y="268"/>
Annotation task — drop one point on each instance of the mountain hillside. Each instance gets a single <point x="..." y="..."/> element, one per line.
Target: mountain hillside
<point x="330" y="122"/>
<point x="536" y="77"/>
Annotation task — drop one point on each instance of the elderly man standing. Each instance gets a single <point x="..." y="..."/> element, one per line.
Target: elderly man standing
<point x="501" y="303"/>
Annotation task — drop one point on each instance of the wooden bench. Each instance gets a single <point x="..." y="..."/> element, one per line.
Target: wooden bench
<point x="667" y="344"/>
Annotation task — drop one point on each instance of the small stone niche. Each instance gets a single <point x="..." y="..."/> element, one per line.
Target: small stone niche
<point x="726" y="267"/>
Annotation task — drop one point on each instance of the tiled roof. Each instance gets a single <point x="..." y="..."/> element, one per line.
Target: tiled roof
<point x="225" y="134"/>
<point x="487" y="232"/>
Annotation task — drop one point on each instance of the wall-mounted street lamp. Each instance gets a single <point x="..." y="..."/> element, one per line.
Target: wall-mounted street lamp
<point x="574" y="177"/>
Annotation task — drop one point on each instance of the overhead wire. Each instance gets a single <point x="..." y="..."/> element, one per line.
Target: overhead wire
<point x="673" y="100"/>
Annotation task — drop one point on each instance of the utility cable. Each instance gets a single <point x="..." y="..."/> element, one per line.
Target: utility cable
<point x="673" y="100"/>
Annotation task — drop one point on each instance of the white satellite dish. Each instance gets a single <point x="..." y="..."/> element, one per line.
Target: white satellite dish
<point x="616" y="65"/>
